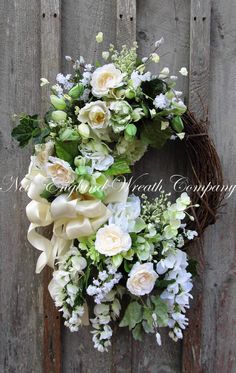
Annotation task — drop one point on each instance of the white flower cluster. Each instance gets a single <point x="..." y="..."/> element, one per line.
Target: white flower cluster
<point x="125" y="214"/>
<point x="104" y="314"/>
<point x="105" y="282"/>
<point x="177" y="293"/>
<point x="64" y="288"/>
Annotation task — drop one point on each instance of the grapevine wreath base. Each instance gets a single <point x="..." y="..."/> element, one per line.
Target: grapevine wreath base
<point x="105" y="243"/>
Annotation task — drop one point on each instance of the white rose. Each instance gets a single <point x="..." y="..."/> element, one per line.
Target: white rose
<point x="105" y="78"/>
<point x="96" y="114"/>
<point x="112" y="240"/>
<point x="60" y="172"/>
<point x="142" y="279"/>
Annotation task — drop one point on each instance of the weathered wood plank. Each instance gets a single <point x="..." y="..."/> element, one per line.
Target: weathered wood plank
<point x="50" y="66"/>
<point x="200" y="20"/>
<point x="125" y="22"/>
<point x="219" y="336"/>
<point x="21" y="311"/>
<point x="171" y="20"/>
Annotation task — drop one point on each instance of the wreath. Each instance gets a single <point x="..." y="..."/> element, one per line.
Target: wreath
<point x="107" y="245"/>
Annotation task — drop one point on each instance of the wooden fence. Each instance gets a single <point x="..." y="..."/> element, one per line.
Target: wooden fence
<point x="35" y="37"/>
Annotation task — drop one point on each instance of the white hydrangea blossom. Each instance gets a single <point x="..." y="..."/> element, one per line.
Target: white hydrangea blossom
<point x="125" y="214"/>
<point x="64" y="81"/>
<point x="137" y="78"/>
<point x="161" y="102"/>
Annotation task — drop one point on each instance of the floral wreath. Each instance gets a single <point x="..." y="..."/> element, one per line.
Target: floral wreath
<point x="107" y="244"/>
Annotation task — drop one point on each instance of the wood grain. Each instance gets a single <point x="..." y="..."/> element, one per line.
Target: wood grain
<point x="219" y="349"/>
<point x="50" y="65"/>
<point x="21" y="311"/>
<point x="200" y="20"/>
<point x="125" y="22"/>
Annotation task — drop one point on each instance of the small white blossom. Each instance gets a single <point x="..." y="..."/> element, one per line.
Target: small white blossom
<point x="161" y="102"/>
<point x="99" y="37"/>
<point x="43" y="82"/>
<point x="105" y="55"/>
<point x="183" y="71"/>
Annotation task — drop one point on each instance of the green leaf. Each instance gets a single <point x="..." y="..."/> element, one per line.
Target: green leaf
<point x="47" y="194"/>
<point x="117" y="260"/>
<point x="27" y="129"/>
<point x="133" y="315"/>
<point x="177" y="124"/>
<point x="137" y="332"/>
<point x="162" y="284"/>
<point x="39" y="139"/>
<point x="119" y="167"/>
<point x="153" y="135"/>
<point x="148" y="320"/>
<point x="127" y="266"/>
<point x="192" y="267"/>
<point x="67" y="150"/>
<point x="154" y="87"/>
<point x="161" y="310"/>
<point x="139" y="225"/>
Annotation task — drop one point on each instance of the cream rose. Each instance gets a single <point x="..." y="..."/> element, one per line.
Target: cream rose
<point x="96" y="114"/>
<point x="60" y="172"/>
<point x="142" y="279"/>
<point x="112" y="240"/>
<point x="105" y="78"/>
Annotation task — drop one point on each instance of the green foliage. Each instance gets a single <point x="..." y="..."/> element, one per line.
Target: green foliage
<point x="177" y="124"/>
<point x="153" y="135"/>
<point x="29" y="129"/>
<point x="67" y="150"/>
<point x="117" y="260"/>
<point x="119" y="167"/>
<point x="154" y="87"/>
<point x="162" y="284"/>
<point x="48" y="195"/>
<point x="192" y="267"/>
<point x="161" y="310"/>
<point x="133" y="315"/>
<point x="137" y="332"/>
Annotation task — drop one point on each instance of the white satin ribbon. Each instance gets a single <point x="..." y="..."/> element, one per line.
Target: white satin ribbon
<point x="71" y="219"/>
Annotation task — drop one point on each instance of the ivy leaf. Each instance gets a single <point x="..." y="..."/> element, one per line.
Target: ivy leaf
<point x="41" y="136"/>
<point x="28" y="129"/>
<point x="154" y="87"/>
<point x="119" y="167"/>
<point x="137" y="332"/>
<point x="133" y="315"/>
<point x="67" y="150"/>
<point x="153" y="135"/>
